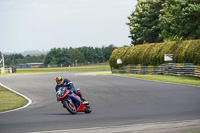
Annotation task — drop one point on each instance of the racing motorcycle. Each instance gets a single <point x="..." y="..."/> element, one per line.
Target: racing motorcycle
<point x="71" y="101"/>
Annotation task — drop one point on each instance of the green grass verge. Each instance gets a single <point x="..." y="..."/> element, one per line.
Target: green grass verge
<point x="10" y="100"/>
<point x="163" y="78"/>
<point x="167" y="78"/>
<point x="103" y="67"/>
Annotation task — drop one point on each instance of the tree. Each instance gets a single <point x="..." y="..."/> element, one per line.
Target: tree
<point x="180" y="19"/>
<point x="164" y="20"/>
<point x="76" y="55"/>
<point x="99" y="55"/>
<point x="108" y="51"/>
<point x="55" y="57"/>
<point x="12" y="59"/>
<point x="144" y="22"/>
<point x="50" y="57"/>
<point x="83" y="55"/>
<point x="88" y="53"/>
<point x="66" y="60"/>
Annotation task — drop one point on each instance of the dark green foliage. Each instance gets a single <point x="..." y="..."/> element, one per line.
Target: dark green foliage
<point x="153" y="54"/>
<point x="180" y="19"/>
<point x="107" y="51"/>
<point x="14" y="59"/>
<point x="164" y="20"/>
<point x="81" y="55"/>
<point x="58" y="57"/>
<point x="64" y="56"/>
<point x="144" y="22"/>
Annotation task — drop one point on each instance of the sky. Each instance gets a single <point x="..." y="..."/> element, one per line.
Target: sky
<point x="45" y="24"/>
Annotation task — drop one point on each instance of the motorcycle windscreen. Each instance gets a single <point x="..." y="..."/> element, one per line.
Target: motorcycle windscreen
<point x="61" y="92"/>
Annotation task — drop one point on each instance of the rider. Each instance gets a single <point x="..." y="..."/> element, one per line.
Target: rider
<point x="67" y="83"/>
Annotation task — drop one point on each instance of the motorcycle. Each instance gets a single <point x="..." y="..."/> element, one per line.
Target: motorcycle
<point x="71" y="101"/>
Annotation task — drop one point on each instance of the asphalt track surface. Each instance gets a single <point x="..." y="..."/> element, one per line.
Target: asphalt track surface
<point x="116" y="101"/>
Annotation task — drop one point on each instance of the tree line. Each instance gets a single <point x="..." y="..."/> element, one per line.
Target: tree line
<point x="14" y="59"/>
<point x="164" y="20"/>
<point x="82" y="55"/>
<point x="63" y="56"/>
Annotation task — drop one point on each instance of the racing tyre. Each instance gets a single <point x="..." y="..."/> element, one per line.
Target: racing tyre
<point x="70" y="107"/>
<point x="88" y="109"/>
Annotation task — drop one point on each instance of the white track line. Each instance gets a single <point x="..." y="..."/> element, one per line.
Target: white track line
<point x="29" y="100"/>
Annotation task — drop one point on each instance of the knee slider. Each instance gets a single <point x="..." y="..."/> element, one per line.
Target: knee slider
<point x="79" y="92"/>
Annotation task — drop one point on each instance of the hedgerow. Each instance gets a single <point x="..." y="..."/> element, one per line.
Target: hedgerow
<point x="187" y="51"/>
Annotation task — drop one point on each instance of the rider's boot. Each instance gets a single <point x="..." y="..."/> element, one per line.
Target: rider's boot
<point x="83" y="100"/>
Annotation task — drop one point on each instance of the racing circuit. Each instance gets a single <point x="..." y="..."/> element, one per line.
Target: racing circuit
<point x="119" y="104"/>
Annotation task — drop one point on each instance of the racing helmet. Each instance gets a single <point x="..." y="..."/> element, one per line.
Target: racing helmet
<point x="59" y="80"/>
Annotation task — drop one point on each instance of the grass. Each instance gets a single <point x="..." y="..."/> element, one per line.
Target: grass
<point x="10" y="100"/>
<point x="167" y="78"/>
<point x="163" y="78"/>
<point x="97" y="73"/>
<point x="103" y="67"/>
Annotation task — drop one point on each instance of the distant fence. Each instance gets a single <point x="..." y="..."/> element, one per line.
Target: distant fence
<point x="197" y="71"/>
<point x="8" y="70"/>
<point x="177" y="69"/>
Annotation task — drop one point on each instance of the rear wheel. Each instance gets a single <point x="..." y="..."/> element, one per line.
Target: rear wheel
<point x="88" y="109"/>
<point x="70" y="106"/>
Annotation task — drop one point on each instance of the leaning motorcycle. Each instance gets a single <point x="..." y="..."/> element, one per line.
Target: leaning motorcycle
<point x="71" y="101"/>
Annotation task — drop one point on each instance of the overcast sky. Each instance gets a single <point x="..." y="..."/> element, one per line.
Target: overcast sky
<point x="45" y="24"/>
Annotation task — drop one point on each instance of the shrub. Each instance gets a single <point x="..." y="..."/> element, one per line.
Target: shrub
<point x="187" y="51"/>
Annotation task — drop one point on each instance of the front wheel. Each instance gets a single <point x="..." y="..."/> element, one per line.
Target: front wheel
<point x="70" y="106"/>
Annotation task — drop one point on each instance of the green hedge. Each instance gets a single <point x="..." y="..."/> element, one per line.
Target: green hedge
<point x="153" y="54"/>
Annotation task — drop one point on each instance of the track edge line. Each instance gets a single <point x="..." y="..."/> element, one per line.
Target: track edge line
<point x="26" y="105"/>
